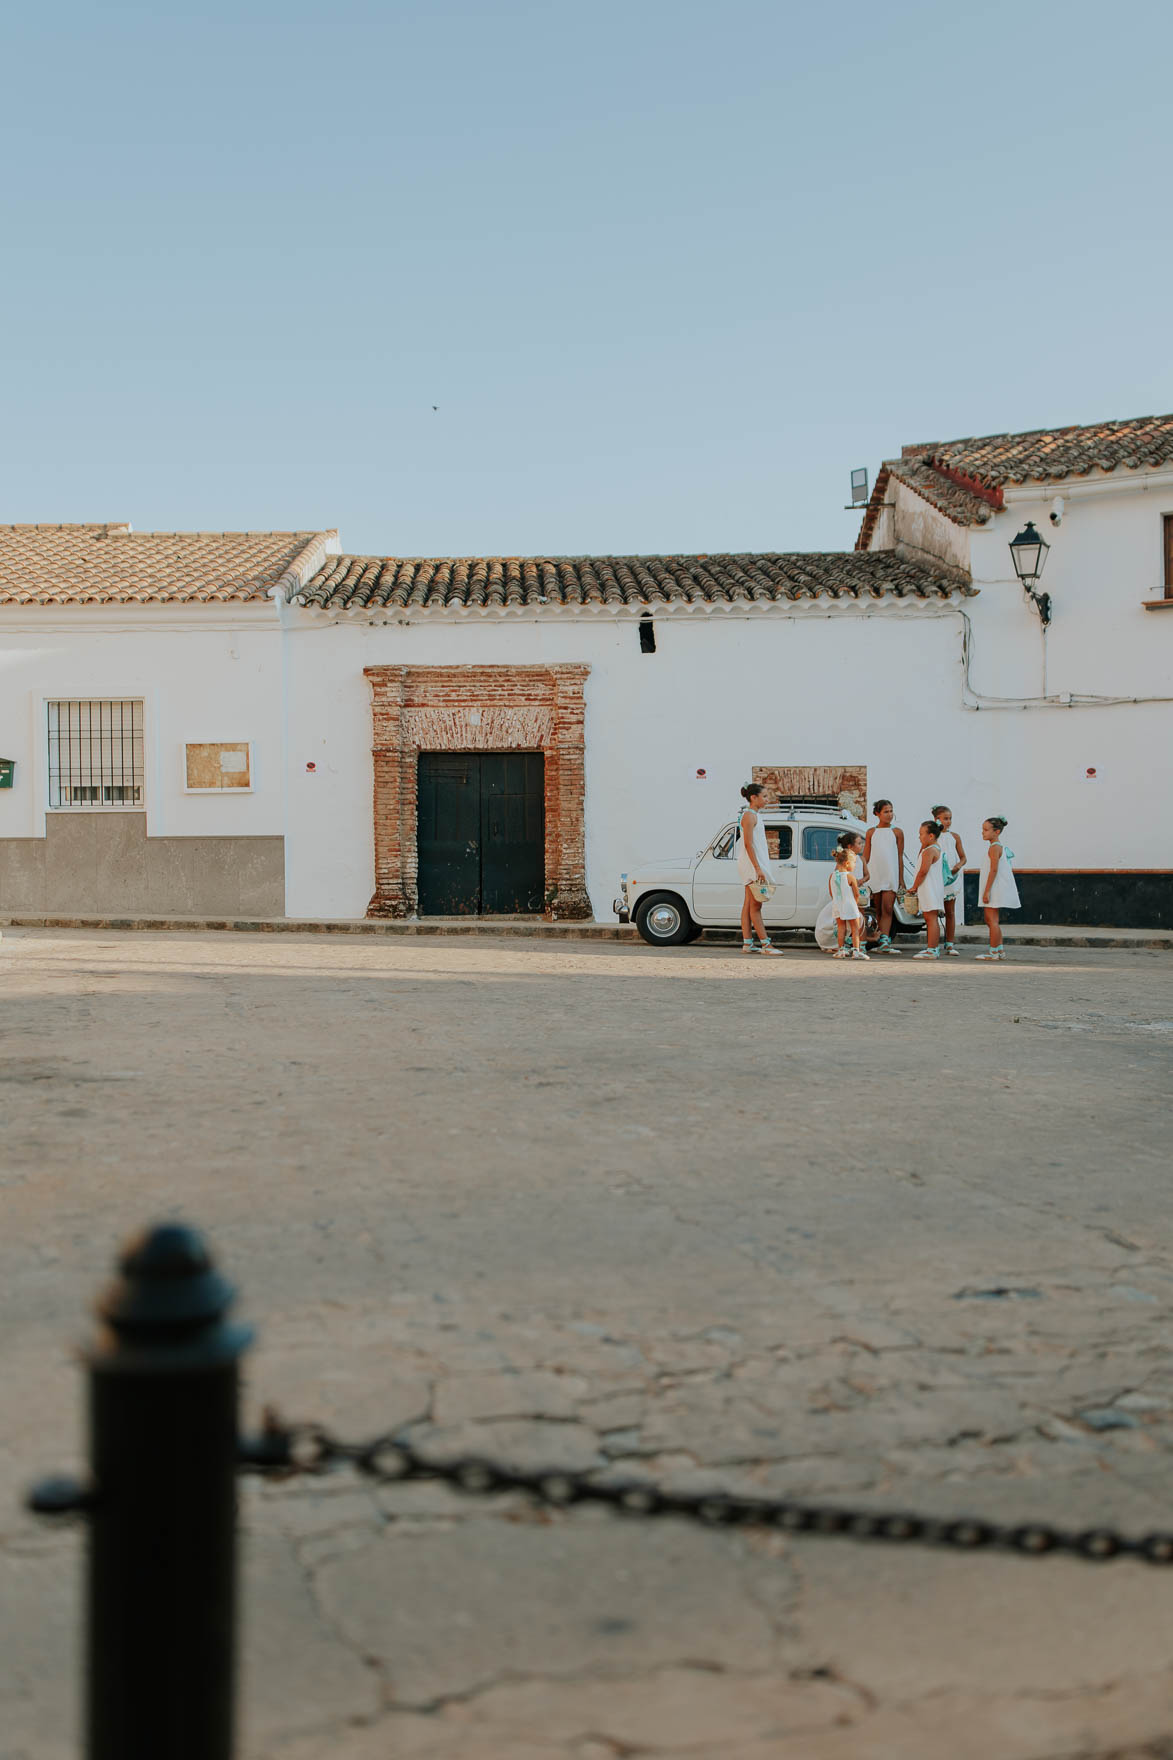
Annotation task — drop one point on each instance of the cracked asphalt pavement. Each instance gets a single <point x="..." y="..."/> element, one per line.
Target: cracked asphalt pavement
<point x="899" y="1237"/>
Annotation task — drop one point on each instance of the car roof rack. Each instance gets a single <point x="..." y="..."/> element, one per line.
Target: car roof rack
<point x="806" y="803"/>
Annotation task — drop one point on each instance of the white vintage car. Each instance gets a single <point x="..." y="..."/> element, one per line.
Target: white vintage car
<point x="674" y="901"/>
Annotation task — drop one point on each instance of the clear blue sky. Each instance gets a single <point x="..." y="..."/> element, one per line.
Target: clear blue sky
<point x="668" y="269"/>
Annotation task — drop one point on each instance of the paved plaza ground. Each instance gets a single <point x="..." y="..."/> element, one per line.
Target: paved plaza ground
<point x="900" y="1235"/>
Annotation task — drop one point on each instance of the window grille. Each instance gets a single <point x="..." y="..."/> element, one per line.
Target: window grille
<point x="95" y="754"/>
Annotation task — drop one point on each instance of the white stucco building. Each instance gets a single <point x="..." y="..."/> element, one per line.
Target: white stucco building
<point x="260" y="725"/>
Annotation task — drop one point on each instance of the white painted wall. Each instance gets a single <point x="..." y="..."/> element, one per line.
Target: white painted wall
<point x="813" y="684"/>
<point x="720" y="694"/>
<point x="819" y="685"/>
<point x="1104" y="562"/>
<point x="206" y="673"/>
<point x="1032" y="756"/>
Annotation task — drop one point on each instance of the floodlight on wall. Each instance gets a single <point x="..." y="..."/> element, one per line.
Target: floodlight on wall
<point x="859" y="490"/>
<point x="1028" y="552"/>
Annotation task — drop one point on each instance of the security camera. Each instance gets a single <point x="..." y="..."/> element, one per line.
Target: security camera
<point x="1057" y="510"/>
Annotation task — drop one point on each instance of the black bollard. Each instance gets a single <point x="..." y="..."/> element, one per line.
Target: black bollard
<point x="161" y="1512"/>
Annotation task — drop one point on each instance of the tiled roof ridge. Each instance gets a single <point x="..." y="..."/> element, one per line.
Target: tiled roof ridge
<point x="84" y="525"/>
<point x="124" y="529"/>
<point x="244" y="532"/>
<point x="966" y="480"/>
<point x="305" y="564"/>
<point x="934" y="448"/>
<point x="485" y="556"/>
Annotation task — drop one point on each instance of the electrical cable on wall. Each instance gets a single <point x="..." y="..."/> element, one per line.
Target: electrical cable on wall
<point x="975" y="700"/>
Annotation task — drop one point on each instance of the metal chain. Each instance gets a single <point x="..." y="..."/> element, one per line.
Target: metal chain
<point x="282" y="1451"/>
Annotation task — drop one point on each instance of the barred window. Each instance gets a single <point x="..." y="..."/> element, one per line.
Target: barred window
<point x="95" y="754"/>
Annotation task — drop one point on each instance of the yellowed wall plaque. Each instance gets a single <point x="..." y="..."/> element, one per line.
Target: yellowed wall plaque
<point x="217" y="765"/>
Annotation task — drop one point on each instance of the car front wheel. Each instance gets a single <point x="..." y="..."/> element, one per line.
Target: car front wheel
<point x="663" y="920"/>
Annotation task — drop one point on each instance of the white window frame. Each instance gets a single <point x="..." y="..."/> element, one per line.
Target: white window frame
<point x="220" y="794"/>
<point x="48" y="705"/>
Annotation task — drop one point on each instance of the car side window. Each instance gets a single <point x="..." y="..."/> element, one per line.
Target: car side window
<point x="818" y="843"/>
<point x="779" y="842"/>
<point x="723" y="845"/>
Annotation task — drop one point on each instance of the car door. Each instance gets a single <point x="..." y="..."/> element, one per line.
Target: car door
<point x="817" y="854"/>
<point x="783" y="872"/>
<point x="717" y="890"/>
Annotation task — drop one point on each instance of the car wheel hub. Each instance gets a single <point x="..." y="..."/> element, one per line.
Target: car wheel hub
<point x="664" y="919"/>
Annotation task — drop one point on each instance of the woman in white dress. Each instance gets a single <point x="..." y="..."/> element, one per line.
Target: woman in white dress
<point x="883" y="855"/>
<point x="929" y="887"/>
<point x="753" y="866"/>
<point x="997" y="889"/>
<point x="953" y="852"/>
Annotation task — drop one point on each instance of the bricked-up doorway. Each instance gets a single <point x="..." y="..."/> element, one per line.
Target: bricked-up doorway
<point x="464" y="710"/>
<point x="842" y="785"/>
<point x="481" y="833"/>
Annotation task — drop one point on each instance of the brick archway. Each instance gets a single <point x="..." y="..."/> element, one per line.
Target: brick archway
<point x="477" y="708"/>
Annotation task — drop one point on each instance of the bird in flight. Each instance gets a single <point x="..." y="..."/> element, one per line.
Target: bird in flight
<point x="435" y="406"/>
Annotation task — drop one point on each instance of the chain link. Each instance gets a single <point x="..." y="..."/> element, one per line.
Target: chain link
<point x="286" y="1450"/>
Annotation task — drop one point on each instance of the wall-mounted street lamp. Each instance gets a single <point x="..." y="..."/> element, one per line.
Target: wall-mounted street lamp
<point x="1029" y="554"/>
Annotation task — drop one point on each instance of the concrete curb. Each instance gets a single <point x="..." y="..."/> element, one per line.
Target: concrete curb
<point x="520" y="929"/>
<point x="528" y="929"/>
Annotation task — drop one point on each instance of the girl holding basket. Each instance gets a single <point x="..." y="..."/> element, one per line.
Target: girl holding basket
<point x="753" y="866"/>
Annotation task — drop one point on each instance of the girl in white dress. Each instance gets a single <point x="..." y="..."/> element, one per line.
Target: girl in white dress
<point x="952" y="852"/>
<point x="929" y="887"/>
<point x="825" y="922"/>
<point x="753" y="866"/>
<point x="844" y="890"/>
<point x="997" y="889"/>
<point x="883" y="854"/>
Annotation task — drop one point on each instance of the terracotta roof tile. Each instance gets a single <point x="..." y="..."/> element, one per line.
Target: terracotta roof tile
<point x="111" y="565"/>
<point x="1060" y="452"/>
<point x="963" y="479"/>
<point x="391" y="584"/>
